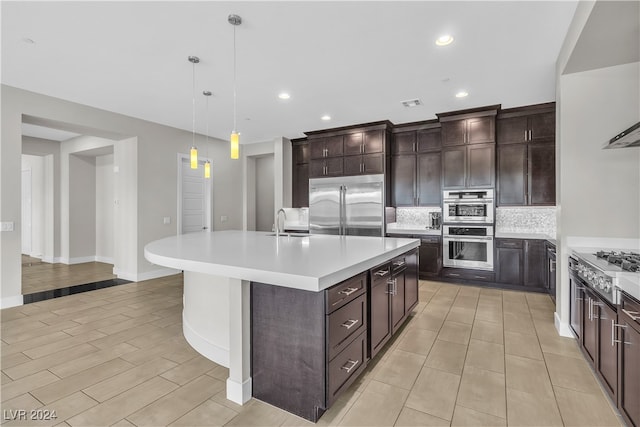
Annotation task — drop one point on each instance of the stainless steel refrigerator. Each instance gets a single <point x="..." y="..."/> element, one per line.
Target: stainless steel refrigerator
<point x="350" y="206"/>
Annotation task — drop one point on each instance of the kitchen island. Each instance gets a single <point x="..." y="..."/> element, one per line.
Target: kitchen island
<point x="219" y="268"/>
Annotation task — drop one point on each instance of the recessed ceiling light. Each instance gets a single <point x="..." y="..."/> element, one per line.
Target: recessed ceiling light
<point x="411" y="103"/>
<point x="444" y="40"/>
<point x="462" y="94"/>
<point x="325" y="117"/>
<point x="284" y="95"/>
<point x="27" y="40"/>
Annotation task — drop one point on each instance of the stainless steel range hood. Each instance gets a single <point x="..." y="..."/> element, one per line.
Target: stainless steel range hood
<point x="628" y="138"/>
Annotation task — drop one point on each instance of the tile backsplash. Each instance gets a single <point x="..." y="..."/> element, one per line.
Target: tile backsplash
<point x="526" y="220"/>
<point x="415" y="216"/>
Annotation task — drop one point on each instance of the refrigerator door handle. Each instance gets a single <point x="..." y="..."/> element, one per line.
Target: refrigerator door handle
<point x="343" y="209"/>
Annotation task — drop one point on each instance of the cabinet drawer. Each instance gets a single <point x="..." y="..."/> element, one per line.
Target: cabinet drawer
<point x="429" y="239"/>
<point x="631" y="309"/>
<point x="346" y="322"/>
<point x="381" y="273"/>
<point x="468" y="274"/>
<point x="398" y="264"/>
<point x="346" y="366"/>
<point x="342" y="293"/>
<point x="509" y="243"/>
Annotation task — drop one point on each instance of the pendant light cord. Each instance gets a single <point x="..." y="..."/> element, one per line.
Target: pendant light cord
<point x="234" y="79"/>
<point x="193" y="135"/>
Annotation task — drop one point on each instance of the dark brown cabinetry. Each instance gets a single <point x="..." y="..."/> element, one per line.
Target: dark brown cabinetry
<point x="629" y="361"/>
<point x="416" y="167"/>
<point x="430" y="256"/>
<point x="520" y="262"/>
<point x="472" y="130"/>
<point x="394" y="293"/>
<point x="332" y="146"/>
<point x="576" y="300"/>
<point x="526" y="156"/>
<point x="550" y="252"/>
<point x="300" y="179"/>
<point x="326" y="167"/>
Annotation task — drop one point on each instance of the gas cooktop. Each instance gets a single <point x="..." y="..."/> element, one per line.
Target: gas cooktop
<point x="603" y="269"/>
<point x="627" y="261"/>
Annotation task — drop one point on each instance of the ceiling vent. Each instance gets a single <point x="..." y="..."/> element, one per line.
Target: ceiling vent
<point x="411" y="103"/>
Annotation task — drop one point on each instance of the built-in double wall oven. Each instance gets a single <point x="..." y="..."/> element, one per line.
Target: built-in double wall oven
<point x="467" y="234"/>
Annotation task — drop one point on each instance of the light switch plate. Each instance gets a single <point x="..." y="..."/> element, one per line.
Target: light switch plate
<point x="224" y="218"/>
<point x="166" y="220"/>
<point x="7" y="226"/>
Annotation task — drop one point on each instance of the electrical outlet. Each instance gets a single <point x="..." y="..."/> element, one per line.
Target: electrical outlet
<point x="224" y="218"/>
<point x="166" y="220"/>
<point x="7" y="226"/>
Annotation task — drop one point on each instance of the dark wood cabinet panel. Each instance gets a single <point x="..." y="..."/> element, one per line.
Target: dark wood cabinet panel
<point x="481" y="165"/>
<point x="509" y="265"/>
<point x="429" y="179"/>
<point x="317" y="148"/>
<point x="430" y="257"/>
<point x="454" y="132"/>
<point x="334" y="166"/>
<point x="332" y="146"/>
<point x="629" y="386"/>
<point x="576" y="306"/>
<point x="373" y="141"/>
<point x="607" y="363"/>
<point x="372" y="163"/>
<point x="542" y="126"/>
<point x="429" y="140"/>
<point x="527" y="128"/>
<point x="513" y="130"/>
<point x="403" y="172"/>
<point x="300" y="153"/>
<point x="404" y="142"/>
<point x="300" y="190"/>
<point x="453" y="167"/>
<point x="352" y="165"/>
<point x="512" y="174"/>
<point x="542" y="174"/>
<point x="589" y="328"/>
<point x="316" y="168"/>
<point x="411" y="282"/>
<point x="353" y="143"/>
<point x="398" y="309"/>
<point x="534" y="263"/>
<point x="481" y="130"/>
<point x="380" y="312"/>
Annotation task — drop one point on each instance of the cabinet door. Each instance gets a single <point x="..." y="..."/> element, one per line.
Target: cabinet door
<point x="316" y="148"/>
<point x="453" y="132"/>
<point x="353" y="143"/>
<point x="316" y="168"/>
<point x="509" y="266"/>
<point x="403" y="177"/>
<point x="607" y="363"/>
<point x="542" y="126"/>
<point x="542" y="174"/>
<point x="481" y="130"/>
<point x="334" y="146"/>
<point x="372" y="163"/>
<point x="300" y="188"/>
<point x="397" y="302"/>
<point x="334" y="166"/>
<point x="411" y="282"/>
<point x="589" y="328"/>
<point x="429" y="140"/>
<point x="481" y="163"/>
<point x="512" y="130"/>
<point x="512" y="173"/>
<point x="353" y="165"/>
<point x="576" y="301"/>
<point x="630" y="372"/>
<point x="380" y="311"/>
<point x="300" y="153"/>
<point x="453" y="167"/>
<point x="535" y="267"/>
<point x="429" y="183"/>
<point x="404" y="142"/>
<point x="373" y="141"/>
<point x="430" y="258"/>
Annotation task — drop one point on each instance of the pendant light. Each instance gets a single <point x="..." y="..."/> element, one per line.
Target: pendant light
<point x="207" y="164"/>
<point x="194" y="150"/>
<point x="234" y="20"/>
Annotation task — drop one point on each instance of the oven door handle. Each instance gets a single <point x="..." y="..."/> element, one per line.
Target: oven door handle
<point x="467" y="238"/>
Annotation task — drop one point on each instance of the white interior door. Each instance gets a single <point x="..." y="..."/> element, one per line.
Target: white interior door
<point x="194" y="198"/>
<point x="26" y="212"/>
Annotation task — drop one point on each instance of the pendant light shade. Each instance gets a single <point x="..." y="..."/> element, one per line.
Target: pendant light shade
<point x="234" y="20"/>
<point x="207" y="169"/>
<point x="194" y="150"/>
<point x="207" y="164"/>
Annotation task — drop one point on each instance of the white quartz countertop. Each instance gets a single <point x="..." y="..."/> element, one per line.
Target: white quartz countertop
<point x="396" y="228"/>
<point x="541" y="236"/>
<point x="313" y="262"/>
<point x="630" y="283"/>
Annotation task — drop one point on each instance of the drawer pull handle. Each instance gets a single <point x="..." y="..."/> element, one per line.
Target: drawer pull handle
<point x="353" y="364"/>
<point x="632" y="314"/>
<point x="614" y="325"/>
<point x="350" y="323"/>
<point x="453" y="274"/>
<point x="478" y="277"/>
<point x="398" y="263"/>
<point x="381" y="273"/>
<point x="348" y="291"/>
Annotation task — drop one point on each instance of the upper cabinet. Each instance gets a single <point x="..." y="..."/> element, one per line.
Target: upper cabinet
<point x="526" y="156"/>
<point x="332" y="146"/>
<point x="468" y="153"/>
<point x="300" y="178"/>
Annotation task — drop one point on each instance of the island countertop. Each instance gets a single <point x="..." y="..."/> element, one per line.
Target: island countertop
<point x="311" y="262"/>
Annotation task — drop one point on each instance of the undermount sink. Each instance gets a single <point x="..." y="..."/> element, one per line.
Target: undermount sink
<point x="289" y="235"/>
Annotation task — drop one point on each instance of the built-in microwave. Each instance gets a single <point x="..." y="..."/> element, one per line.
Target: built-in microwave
<point x="468" y="206"/>
<point x="467" y="246"/>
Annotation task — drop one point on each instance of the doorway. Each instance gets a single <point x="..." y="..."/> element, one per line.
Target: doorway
<point x="264" y="193"/>
<point x="194" y="197"/>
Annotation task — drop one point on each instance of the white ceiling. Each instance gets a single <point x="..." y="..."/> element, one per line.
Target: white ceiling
<point x="352" y="60"/>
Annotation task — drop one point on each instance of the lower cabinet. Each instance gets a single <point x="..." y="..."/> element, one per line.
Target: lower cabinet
<point x="430" y="256"/>
<point x="629" y="360"/>
<point x="521" y="262"/>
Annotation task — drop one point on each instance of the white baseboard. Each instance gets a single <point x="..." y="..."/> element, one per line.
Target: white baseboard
<point x="203" y="346"/>
<point x="35" y="255"/>
<point x="52" y="260"/>
<point x="148" y="275"/>
<point x="563" y="328"/>
<point x="239" y="393"/>
<point x="104" y="259"/>
<point x="78" y="260"/>
<point x="9" y="302"/>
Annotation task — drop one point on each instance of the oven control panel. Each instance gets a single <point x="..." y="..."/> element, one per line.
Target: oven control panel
<point x="599" y="281"/>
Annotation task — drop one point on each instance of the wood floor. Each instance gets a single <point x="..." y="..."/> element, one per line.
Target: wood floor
<point x="38" y="276"/>
<point x="468" y="356"/>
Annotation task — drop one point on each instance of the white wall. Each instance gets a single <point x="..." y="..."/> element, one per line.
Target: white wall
<point x="152" y="185"/>
<point x="104" y="208"/>
<point x="36" y="165"/>
<point x="264" y="183"/>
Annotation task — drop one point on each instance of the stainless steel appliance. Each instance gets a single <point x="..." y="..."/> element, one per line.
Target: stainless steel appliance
<point x="468" y="206"/>
<point x="468" y="246"/>
<point x="434" y="220"/>
<point x="628" y="138"/>
<point x="347" y="205"/>
<point x="602" y="270"/>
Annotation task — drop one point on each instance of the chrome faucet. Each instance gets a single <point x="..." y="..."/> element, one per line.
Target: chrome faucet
<point x="278" y="221"/>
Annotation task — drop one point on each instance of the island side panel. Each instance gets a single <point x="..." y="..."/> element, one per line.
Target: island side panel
<point x="288" y="349"/>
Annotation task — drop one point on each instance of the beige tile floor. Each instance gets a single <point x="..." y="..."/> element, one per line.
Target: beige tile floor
<point x="40" y="276"/>
<point x="468" y="356"/>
